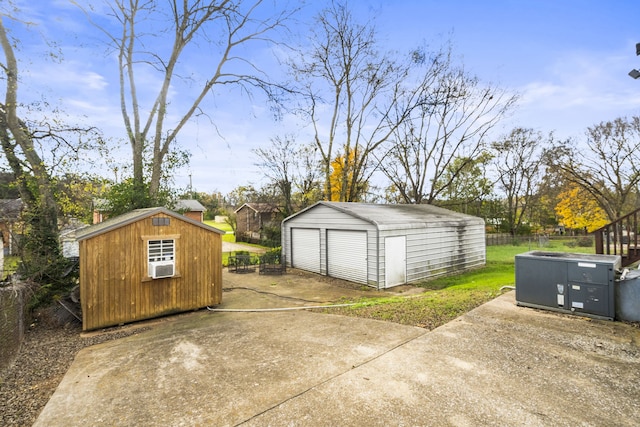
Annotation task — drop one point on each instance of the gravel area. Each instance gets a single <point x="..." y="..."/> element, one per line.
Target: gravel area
<point x="50" y="345"/>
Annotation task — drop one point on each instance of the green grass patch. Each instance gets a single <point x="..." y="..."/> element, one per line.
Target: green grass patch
<point x="219" y="225"/>
<point x="449" y="297"/>
<point x="10" y="265"/>
<point x="223" y="226"/>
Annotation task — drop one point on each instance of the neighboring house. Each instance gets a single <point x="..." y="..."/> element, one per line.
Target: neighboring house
<point x="191" y="209"/>
<point x="101" y="210"/>
<point x="382" y="245"/>
<point x="147" y="263"/>
<point x="252" y="217"/>
<point x="10" y="210"/>
<point x="68" y="238"/>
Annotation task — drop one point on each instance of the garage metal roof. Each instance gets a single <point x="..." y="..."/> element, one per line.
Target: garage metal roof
<point x="386" y="216"/>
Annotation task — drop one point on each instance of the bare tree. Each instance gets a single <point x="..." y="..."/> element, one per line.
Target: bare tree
<point x="308" y="179"/>
<point x="293" y="170"/>
<point x="518" y="161"/>
<point x="451" y="114"/>
<point x="606" y="165"/>
<point x="350" y="88"/>
<point x="471" y="187"/>
<point x="23" y="146"/>
<point x="278" y="163"/>
<point x="219" y="28"/>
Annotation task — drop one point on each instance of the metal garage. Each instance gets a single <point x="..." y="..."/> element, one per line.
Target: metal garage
<point x="382" y="245"/>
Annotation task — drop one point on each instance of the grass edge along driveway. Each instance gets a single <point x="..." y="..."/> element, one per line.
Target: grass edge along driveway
<point x="447" y="298"/>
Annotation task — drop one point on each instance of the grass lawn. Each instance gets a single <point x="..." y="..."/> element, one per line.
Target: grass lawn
<point x="229" y="236"/>
<point x="449" y="297"/>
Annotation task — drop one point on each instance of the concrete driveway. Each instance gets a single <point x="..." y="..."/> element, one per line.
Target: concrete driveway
<point x="497" y="365"/>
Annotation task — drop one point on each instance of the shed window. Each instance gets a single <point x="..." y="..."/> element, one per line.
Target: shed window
<point x="161" y="250"/>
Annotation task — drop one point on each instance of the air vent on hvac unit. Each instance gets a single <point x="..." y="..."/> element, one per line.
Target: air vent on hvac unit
<point x="161" y="269"/>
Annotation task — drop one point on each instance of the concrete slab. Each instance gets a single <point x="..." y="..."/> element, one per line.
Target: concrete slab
<point x="214" y="368"/>
<point x="497" y="365"/>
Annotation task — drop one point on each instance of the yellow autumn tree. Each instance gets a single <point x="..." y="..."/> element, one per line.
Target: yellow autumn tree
<point x="576" y="209"/>
<point x="343" y="187"/>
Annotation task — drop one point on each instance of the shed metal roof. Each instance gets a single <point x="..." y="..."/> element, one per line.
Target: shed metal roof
<point x="399" y="216"/>
<point x="133" y="216"/>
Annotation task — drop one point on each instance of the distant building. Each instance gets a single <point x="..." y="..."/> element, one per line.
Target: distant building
<point x="10" y="210"/>
<point x="251" y="218"/>
<point x="191" y="209"/>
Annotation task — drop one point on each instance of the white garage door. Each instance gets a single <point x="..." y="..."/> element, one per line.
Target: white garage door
<point x="305" y="249"/>
<point x="347" y="255"/>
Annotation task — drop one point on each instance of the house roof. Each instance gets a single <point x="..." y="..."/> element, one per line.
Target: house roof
<point x="189" y="205"/>
<point x="260" y="207"/>
<point x="400" y="216"/>
<point x="10" y="208"/>
<point x="133" y="216"/>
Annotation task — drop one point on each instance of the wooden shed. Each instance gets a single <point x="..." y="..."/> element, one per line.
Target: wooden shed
<point x="382" y="245"/>
<point x="147" y="263"/>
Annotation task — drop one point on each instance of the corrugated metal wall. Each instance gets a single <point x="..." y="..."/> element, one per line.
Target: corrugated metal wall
<point x="323" y="218"/>
<point x="347" y="255"/>
<point x="438" y="248"/>
<point x="307" y="254"/>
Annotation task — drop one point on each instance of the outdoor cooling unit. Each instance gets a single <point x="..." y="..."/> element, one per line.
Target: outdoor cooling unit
<point x="161" y="269"/>
<point x="567" y="282"/>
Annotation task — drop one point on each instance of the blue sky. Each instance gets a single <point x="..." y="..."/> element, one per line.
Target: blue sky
<point x="568" y="60"/>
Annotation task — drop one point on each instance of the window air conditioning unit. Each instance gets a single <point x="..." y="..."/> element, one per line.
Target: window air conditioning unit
<point x="161" y="269"/>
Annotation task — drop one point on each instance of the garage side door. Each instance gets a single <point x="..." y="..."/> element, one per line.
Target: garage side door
<point x="347" y="255"/>
<point x="305" y="249"/>
<point x="395" y="260"/>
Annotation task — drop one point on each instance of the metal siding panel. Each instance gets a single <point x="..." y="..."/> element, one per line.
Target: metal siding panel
<point x="444" y="249"/>
<point x="305" y="249"/>
<point x="347" y="255"/>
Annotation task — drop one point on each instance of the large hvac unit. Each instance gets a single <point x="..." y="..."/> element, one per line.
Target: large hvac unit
<point x="568" y="282"/>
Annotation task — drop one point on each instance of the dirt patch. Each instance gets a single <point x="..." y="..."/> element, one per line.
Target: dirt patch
<point x="297" y="287"/>
<point x="50" y="345"/>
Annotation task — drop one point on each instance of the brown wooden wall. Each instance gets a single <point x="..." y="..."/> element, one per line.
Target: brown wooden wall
<point x="115" y="288"/>
<point x="195" y="215"/>
<point x="246" y="220"/>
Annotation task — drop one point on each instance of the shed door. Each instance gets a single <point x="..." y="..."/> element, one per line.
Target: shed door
<point x="305" y="249"/>
<point x="395" y="261"/>
<point x="347" y="255"/>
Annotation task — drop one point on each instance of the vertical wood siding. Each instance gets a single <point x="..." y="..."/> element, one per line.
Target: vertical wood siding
<point x="115" y="288"/>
